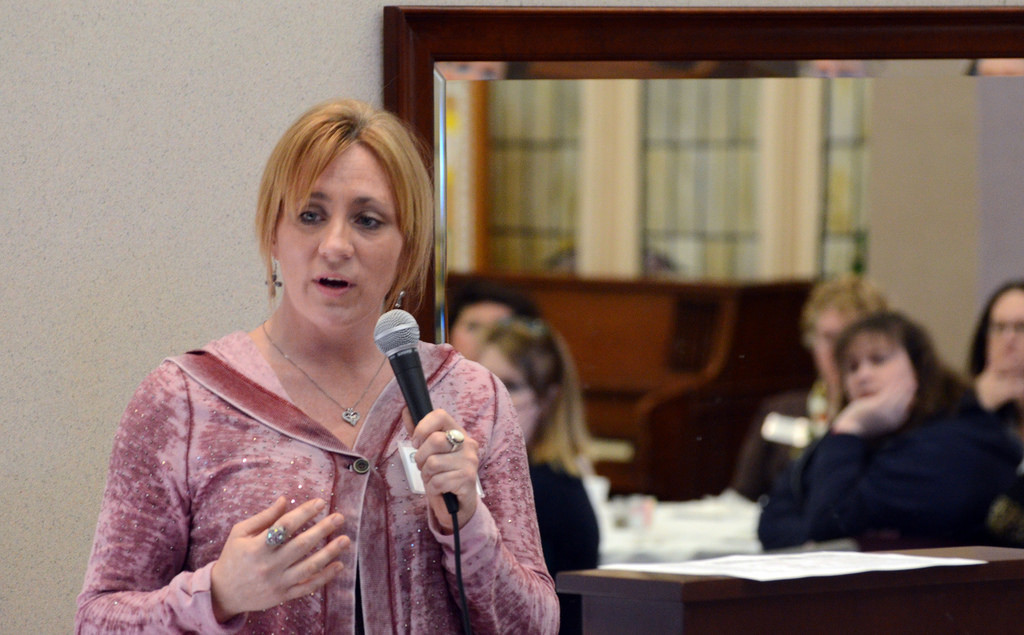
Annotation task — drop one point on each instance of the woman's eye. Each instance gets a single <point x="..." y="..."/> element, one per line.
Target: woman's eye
<point x="308" y="217"/>
<point x="369" y="222"/>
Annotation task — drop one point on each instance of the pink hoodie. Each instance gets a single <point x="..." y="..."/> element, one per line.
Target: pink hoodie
<point x="187" y="465"/>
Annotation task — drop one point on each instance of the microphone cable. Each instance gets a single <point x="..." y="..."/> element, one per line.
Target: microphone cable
<point x="454" y="511"/>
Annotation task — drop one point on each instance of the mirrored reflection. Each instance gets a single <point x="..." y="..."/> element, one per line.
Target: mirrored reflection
<point x="492" y="70"/>
<point x="696" y="170"/>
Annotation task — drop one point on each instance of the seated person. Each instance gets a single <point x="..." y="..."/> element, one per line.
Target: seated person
<point x="997" y="365"/>
<point x="786" y="423"/>
<point x="997" y="355"/>
<point x="910" y="456"/>
<point x="535" y="365"/>
<point x="478" y="305"/>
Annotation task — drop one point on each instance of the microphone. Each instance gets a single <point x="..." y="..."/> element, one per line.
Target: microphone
<point x="397" y="335"/>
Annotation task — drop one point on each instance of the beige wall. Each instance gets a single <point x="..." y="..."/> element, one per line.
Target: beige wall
<point x="923" y="246"/>
<point x="946" y="222"/>
<point x="132" y="137"/>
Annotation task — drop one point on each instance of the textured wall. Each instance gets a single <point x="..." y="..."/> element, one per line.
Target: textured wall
<point x="132" y="136"/>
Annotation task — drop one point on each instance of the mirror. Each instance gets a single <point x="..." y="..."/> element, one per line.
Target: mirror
<point x="418" y="38"/>
<point x="703" y="171"/>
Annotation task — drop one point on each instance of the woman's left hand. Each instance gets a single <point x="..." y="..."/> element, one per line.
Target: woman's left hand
<point x="445" y="467"/>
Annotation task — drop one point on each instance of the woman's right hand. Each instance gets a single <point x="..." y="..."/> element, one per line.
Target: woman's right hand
<point x="251" y="575"/>
<point x="997" y="387"/>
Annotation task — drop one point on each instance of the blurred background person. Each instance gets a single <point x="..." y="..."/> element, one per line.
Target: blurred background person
<point x="997" y="355"/>
<point x="997" y="364"/>
<point x="786" y="423"/>
<point x="910" y="458"/>
<point x="534" y="363"/>
<point x="478" y="305"/>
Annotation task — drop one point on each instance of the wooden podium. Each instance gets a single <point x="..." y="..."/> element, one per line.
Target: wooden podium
<point x="987" y="598"/>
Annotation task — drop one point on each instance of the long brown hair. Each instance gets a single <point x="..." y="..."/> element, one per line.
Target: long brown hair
<point x="939" y="389"/>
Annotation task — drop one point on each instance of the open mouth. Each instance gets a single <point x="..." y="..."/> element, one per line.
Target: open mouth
<point x="333" y="283"/>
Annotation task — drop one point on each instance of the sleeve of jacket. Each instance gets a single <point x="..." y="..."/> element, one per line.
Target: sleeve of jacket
<point x="781" y="523"/>
<point x="508" y="588"/>
<point x="134" y="580"/>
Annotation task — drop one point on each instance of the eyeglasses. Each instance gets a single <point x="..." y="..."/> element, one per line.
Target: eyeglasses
<point x="535" y="326"/>
<point x="999" y="328"/>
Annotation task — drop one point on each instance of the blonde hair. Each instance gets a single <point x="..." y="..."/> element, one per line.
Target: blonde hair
<point x="849" y="294"/>
<point x="561" y="438"/>
<point x="321" y="135"/>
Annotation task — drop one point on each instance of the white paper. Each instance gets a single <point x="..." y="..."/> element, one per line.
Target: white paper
<point x="790" y="566"/>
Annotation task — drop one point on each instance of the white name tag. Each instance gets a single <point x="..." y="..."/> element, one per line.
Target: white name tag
<point x="412" y="471"/>
<point x="791" y="431"/>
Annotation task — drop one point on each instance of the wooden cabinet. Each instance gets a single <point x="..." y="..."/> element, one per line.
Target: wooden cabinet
<point x="676" y="370"/>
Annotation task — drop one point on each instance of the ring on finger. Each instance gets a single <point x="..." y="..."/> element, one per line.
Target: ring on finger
<point x="276" y="536"/>
<point x="455" y="439"/>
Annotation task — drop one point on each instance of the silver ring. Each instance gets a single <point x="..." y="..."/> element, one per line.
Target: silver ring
<point x="276" y="536"/>
<point x="455" y="439"/>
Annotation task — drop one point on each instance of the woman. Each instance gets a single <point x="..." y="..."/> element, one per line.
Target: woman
<point x="786" y="423"/>
<point x="997" y="354"/>
<point x="534" y="363"/>
<point x="997" y="365"/>
<point x="477" y="306"/>
<point x="909" y="455"/>
<point x="260" y="487"/>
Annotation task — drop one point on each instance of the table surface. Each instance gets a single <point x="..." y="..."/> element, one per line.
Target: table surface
<point x="984" y="598"/>
<point x="1001" y="564"/>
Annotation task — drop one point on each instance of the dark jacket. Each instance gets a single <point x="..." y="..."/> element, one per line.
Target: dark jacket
<point x="935" y="481"/>
<point x="568" y="533"/>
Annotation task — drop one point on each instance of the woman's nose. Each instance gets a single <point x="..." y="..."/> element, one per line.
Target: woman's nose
<point x="861" y="374"/>
<point x="336" y="242"/>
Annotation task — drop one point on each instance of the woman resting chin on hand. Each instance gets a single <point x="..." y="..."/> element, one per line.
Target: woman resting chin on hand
<point x="911" y="453"/>
<point x="997" y="354"/>
<point x="880" y="383"/>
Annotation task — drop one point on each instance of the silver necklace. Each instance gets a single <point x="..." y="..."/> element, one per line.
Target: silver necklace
<point x="350" y="414"/>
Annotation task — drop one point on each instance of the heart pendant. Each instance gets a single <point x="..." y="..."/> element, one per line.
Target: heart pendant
<point x="350" y="416"/>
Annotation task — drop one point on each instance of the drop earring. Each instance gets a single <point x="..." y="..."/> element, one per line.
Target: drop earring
<point x="398" y="302"/>
<point x="274" y="279"/>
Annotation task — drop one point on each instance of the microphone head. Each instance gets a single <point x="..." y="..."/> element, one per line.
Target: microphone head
<point x="396" y="331"/>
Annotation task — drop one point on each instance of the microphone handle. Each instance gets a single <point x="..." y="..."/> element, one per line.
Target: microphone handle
<point x="409" y="374"/>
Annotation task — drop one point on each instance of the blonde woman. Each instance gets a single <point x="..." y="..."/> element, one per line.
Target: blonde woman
<point x="259" y="485"/>
<point x="533" y="362"/>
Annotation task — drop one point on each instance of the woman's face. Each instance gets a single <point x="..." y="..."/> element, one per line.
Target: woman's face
<point x="524" y="398"/>
<point x="827" y="327"/>
<point x="339" y="252"/>
<point x="1005" y="347"/>
<point x="473" y="322"/>
<point x="873" y="361"/>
